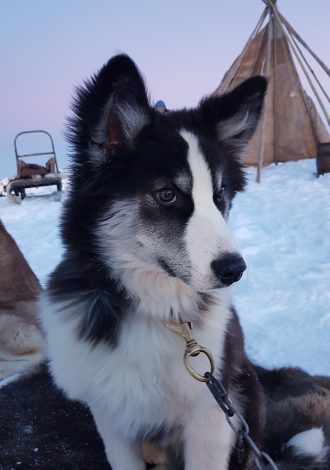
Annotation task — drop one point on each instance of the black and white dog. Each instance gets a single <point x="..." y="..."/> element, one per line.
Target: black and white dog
<point x="147" y="241"/>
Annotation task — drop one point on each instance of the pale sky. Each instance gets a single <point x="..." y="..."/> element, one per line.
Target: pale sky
<point x="183" y="48"/>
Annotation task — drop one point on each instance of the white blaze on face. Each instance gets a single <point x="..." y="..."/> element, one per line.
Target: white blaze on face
<point x="207" y="235"/>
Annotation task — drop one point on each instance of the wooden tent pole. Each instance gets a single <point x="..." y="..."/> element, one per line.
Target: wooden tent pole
<point x="275" y="146"/>
<point x="299" y="38"/>
<point x="317" y="96"/>
<point x="302" y="93"/>
<point x="259" y="24"/>
<point x="262" y="140"/>
<point x="289" y="40"/>
<point x="272" y="4"/>
<point x="255" y="31"/>
<point x="286" y="34"/>
<point x="309" y="67"/>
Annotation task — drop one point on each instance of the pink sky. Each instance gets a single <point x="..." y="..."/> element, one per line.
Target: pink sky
<point x="183" y="48"/>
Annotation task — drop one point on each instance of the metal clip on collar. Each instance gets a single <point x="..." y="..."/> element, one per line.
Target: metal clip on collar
<point x="193" y="349"/>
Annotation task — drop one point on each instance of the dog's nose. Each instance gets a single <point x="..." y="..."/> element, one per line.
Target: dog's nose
<point x="229" y="268"/>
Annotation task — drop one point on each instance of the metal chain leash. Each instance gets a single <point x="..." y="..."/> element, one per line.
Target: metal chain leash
<point x="220" y="394"/>
<point x="242" y="432"/>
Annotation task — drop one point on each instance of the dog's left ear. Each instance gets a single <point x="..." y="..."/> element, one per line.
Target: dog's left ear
<point x="126" y="110"/>
<point x="110" y="110"/>
<point x="233" y="117"/>
<point x="125" y="115"/>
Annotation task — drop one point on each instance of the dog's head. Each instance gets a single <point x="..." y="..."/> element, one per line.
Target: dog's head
<point x="151" y="193"/>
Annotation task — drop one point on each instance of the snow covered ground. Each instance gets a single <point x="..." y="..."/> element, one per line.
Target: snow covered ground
<point x="282" y="227"/>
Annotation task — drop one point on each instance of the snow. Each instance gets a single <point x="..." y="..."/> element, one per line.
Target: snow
<point x="282" y="227"/>
<point x="34" y="224"/>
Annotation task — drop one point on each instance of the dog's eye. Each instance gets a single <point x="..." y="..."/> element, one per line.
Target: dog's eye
<point x="218" y="197"/>
<point x="166" y="196"/>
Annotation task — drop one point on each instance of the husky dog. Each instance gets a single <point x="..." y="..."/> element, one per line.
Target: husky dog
<point x="147" y="242"/>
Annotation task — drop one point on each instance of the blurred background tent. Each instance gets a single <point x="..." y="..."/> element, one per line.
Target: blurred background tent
<point x="20" y="335"/>
<point x="291" y="127"/>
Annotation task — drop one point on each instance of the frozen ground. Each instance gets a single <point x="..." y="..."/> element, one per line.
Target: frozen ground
<point x="282" y="227"/>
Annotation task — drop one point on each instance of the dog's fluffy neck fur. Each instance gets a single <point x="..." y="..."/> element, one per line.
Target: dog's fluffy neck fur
<point x="153" y="292"/>
<point x="141" y="288"/>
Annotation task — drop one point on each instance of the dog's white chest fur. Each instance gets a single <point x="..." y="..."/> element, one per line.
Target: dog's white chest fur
<point x="142" y="382"/>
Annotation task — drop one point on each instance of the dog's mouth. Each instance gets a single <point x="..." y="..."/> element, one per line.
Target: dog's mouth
<point x="210" y="290"/>
<point x="212" y="285"/>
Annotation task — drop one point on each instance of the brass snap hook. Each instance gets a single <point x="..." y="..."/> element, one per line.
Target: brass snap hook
<point x="193" y="352"/>
<point x="193" y="349"/>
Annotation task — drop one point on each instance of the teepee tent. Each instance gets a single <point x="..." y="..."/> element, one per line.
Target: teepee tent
<point x="291" y="128"/>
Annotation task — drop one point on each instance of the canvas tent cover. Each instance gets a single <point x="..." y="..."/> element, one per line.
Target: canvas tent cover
<point x="291" y="127"/>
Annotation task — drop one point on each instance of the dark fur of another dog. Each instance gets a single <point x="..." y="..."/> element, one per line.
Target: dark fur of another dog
<point x="296" y="402"/>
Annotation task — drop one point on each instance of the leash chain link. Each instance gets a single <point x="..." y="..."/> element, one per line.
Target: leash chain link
<point x="220" y="394"/>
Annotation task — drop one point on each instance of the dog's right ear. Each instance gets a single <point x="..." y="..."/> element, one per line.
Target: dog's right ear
<point x="110" y="111"/>
<point x="233" y="117"/>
